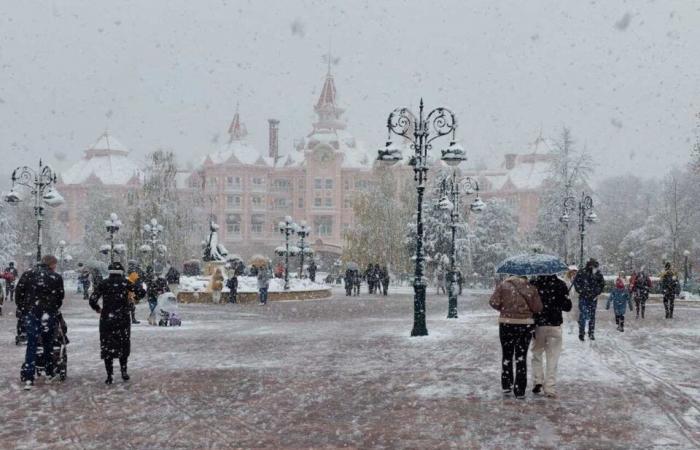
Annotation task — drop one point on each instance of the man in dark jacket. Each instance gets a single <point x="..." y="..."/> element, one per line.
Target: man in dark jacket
<point x="589" y="284"/>
<point x="555" y="298"/>
<point x="84" y="280"/>
<point x="40" y="296"/>
<point x="312" y="270"/>
<point x="669" y="288"/>
<point x="385" y="280"/>
<point x="115" y="318"/>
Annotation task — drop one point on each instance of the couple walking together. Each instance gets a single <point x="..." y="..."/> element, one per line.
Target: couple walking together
<point x="526" y="308"/>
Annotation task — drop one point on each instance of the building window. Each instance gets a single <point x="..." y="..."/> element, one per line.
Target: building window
<point x="328" y="203"/>
<point x="281" y="184"/>
<point x="258" y="181"/>
<point x="347" y="203"/>
<point x="361" y="184"/>
<point x="233" y="223"/>
<point x="323" y="226"/>
<point x="280" y="203"/>
<point x="211" y="183"/>
<point x="329" y="183"/>
<point x="318" y="202"/>
<point x="256" y="201"/>
<point x="233" y="201"/>
<point x="318" y="183"/>
<point x="301" y="202"/>
<point x="346" y="183"/>
<point x="257" y="223"/>
<point x="233" y="182"/>
<point x="301" y="183"/>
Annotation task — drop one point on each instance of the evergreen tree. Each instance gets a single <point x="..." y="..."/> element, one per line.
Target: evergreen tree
<point x="9" y="246"/>
<point x="496" y="236"/>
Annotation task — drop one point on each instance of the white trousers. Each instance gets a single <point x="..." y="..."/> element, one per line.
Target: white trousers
<point x="547" y="341"/>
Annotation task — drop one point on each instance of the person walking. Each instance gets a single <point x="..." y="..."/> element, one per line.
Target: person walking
<point x="172" y="276"/>
<point x="554" y="295"/>
<point x="263" y="284"/>
<point x="640" y="285"/>
<point x="385" y="280"/>
<point x="217" y="285"/>
<point x="620" y="298"/>
<point x="84" y="280"/>
<point x="670" y="288"/>
<point x="115" y="320"/>
<point x="440" y="281"/>
<point x="2" y="292"/>
<point x="572" y="316"/>
<point x="232" y="285"/>
<point x="312" y="270"/>
<point x="589" y="284"/>
<point x="10" y="275"/>
<point x="369" y="276"/>
<point x="157" y="285"/>
<point x="133" y="278"/>
<point x="349" y="282"/>
<point x="40" y="294"/>
<point x="517" y="301"/>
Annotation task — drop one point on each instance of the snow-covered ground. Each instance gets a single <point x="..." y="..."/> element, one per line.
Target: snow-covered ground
<point x="250" y="284"/>
<point x="344" y="373"/>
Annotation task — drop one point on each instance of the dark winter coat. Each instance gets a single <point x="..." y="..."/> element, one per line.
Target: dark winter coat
<point x="39" y="290"/>
<point x="555" y="298"/>
<point x="157" y="287"/>
<point x="669" y="284"/>
<point x="589" y="284"/>
<point x="173" y="276"/>
<point x="232" y="283"/>
<point x="115" y="314"/>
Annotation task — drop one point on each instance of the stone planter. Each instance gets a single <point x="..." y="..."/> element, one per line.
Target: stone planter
<point x="252" y="297"/>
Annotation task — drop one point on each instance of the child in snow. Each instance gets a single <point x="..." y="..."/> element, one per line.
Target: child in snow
<point x="620" y="298"/>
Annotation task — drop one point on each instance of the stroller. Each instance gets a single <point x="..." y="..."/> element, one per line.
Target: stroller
<point x="169" y="317"/>
<point x="58" y="350"/>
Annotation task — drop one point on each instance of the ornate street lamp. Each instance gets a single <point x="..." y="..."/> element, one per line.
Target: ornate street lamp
<point x="63" y="257"/>
<point x="152" y="242"/>
<point x="451" y="189"/>
<point x="41" y="184"/>
<point x="112" y="225"/>
<point x="585" y="215"/>
<point x="420" y="131"/>
<point x="303" y="232"/>
<point x="287" y="228"/>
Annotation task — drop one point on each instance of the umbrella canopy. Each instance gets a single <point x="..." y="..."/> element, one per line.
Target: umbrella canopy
<point x="353" y="266"/>
<point x="258" y="261"/>
<point x="531" y="264"/>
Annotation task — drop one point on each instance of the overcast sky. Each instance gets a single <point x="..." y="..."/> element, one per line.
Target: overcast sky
<point x="623" y="75"/>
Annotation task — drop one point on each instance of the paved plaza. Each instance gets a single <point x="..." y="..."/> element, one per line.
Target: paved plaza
<point x="343" y="373"/>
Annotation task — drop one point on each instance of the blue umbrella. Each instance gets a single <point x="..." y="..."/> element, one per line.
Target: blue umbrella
<point x="531" y="264"/>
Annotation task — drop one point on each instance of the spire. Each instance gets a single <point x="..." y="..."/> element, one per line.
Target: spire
<point x="326" y="107"/>
<point x="237" y="130"/>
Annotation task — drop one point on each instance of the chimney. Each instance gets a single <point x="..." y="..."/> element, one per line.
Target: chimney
<point x="510" y="161"/>
<point x="274" y="148"/>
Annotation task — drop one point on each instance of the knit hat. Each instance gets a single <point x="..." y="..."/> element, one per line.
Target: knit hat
<point x="116" y="268"/>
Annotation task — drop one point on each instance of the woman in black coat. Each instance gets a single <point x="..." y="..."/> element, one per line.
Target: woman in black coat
<point x="115" y="318"/>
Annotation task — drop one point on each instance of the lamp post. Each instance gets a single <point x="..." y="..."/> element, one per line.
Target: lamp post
<point x="62" y="256"/>
<point x="420" y="131"/>
<point x="112" y="225"/>
<point x="450" y="190"/>
<point x="303" y="232"/>
<point x="585" y="215"/>
<point x="153" y="243"/>
<point x="41" y="184"/>
<point x="686" y="254"/>
<point x="287" y="228"/>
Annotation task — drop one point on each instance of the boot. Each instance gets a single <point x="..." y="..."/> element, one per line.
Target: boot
<point x="537" y="389"/>
<point x="110" y="370"/>
<point x="122" y="365"/>
<point x="133" y="318"/>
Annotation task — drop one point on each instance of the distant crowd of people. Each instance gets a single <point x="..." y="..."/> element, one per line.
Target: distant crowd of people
<point x="532" y="308"/>
<point x="376" y="277"/>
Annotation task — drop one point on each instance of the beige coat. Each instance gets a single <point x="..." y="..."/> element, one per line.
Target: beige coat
<point x="516" y="300"/>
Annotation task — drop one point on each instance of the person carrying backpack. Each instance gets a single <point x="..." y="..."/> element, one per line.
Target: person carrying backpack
<point x="589" y="284"/>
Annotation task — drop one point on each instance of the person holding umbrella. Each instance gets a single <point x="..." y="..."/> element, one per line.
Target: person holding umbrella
<point x="518" y="303"/>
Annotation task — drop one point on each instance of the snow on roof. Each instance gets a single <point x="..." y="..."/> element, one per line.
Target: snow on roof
<point x="239" y="152"/>
<point x="107" y="161"/>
